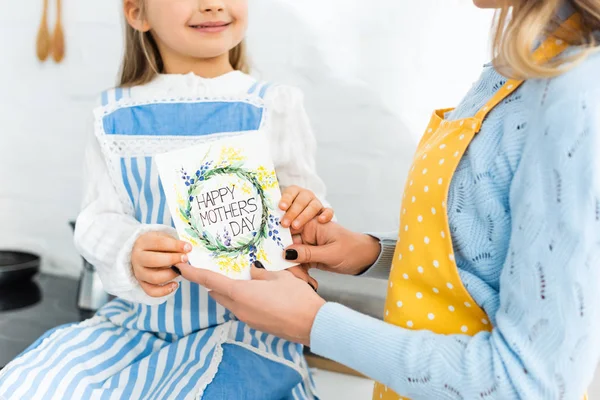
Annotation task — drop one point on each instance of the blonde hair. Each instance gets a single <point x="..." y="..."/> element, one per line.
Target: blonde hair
<point x="519" y="23"/>
<point x="142" y="60"/>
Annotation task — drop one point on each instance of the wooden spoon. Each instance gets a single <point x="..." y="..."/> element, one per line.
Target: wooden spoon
<point x="43" y="36"/>
<point x="58" y="41"/>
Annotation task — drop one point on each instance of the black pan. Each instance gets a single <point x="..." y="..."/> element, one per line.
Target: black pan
<point x="16" y="267"/>
<point x="19" y="295"/>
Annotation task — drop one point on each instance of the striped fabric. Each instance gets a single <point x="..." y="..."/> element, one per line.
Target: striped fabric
<point x="169" y="351"/>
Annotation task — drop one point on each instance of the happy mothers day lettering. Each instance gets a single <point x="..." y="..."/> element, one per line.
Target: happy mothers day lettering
<point x="220" y="205"/>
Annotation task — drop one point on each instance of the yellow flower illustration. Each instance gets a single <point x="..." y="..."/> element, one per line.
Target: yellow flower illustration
<point x="246" y="188"/>
<point x="262" y="256"/>
<point x="266" y="178"/>
<point x="180" y="199"/>
<point x="230" y="155"/>
<point x="181" y="203"/>
<point x="230" y="264"/>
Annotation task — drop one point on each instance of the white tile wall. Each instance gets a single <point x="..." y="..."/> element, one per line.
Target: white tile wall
<point x="44" y="110"/>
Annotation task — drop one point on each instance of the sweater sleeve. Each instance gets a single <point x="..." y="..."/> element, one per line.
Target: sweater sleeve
<point x="383" y="265"/>
<point x="105" y="231"/>
<point x="544" y="343"/>
<point x="293" y="142"/>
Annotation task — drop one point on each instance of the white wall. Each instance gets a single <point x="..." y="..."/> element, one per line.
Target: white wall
<point x="372" y="71"/>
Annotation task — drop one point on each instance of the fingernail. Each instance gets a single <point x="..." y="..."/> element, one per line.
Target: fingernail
<point x="175" y="286"/>
<point x="177" y="271"/>
<point x="283" y="205"/>
<point x="296" y="224"/>
<point x="291" y="255"/>
<point x="184" y="258"/>
<point x="285" y="222"/>
<point x="312" y="286"/>
<point x="259" y="265"/>
<point x="187" y="247"/>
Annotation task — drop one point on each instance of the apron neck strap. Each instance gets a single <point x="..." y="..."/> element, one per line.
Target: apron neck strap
<point x="548" y="50"/>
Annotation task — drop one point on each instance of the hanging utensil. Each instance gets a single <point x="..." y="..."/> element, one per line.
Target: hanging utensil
<point x="43" y="36"/>
<point x="58" y="40"/>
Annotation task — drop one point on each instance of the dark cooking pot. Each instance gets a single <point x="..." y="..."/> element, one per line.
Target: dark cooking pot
<point x="19" y="295"/>
<point x="16" y="266"/>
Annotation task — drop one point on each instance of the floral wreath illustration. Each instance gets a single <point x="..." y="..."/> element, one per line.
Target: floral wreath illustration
<point x="244" y="252"/>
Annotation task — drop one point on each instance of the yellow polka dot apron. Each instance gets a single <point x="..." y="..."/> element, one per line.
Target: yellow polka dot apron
<point x="425" y="291"/>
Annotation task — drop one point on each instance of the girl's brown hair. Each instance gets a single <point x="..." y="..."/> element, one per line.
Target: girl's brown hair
<point x="519" y="23"/>
<point x="142" y="60"/>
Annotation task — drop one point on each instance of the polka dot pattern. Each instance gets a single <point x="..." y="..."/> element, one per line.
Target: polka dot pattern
<point x="425" y="290"/>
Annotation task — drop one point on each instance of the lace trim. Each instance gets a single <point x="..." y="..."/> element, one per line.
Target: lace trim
<point x="149" y="146"/>
<point x="213" y="368"/>
<point x="310" y="387"/>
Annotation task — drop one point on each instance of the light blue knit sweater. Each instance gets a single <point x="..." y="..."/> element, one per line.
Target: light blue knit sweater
<point x="524" y="211"/>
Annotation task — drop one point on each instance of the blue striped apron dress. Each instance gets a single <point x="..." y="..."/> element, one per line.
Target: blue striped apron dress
<point x="189" y="347"/>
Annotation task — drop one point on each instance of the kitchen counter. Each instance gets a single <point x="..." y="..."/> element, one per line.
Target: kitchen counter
<point x="51" y="301"/>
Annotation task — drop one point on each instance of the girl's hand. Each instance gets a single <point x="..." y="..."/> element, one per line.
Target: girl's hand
<point x="331" y="247"/>
<point x="301" y="206"/>
<point x="153" y="255"/>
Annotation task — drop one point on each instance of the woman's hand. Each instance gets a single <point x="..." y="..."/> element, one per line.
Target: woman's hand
<point x="273" y="302"/>
<point x="300" y="272"/>
<point x="301" y="206"/>
<point x="333" y="248"/>
<point x="153" y="255"/>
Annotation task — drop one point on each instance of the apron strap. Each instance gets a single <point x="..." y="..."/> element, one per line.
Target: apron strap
<point x="260" y="89"/>
<point x="548" y="50"/>
<point x="112" y="96"/>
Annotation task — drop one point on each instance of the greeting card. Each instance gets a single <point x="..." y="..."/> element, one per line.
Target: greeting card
<point x="223" y="196"/>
